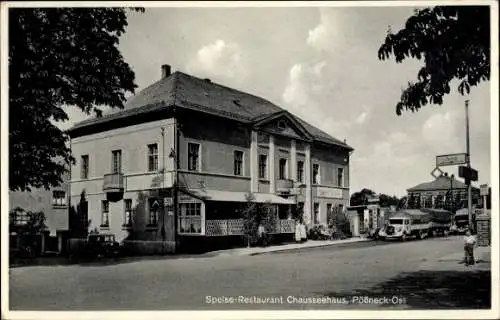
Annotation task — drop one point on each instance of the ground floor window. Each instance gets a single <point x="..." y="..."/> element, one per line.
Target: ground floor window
<point x="105" y="213"/>
<point x="128" y="212"/>
<point x="190" y="217"/>
<point x="154" y="211"/>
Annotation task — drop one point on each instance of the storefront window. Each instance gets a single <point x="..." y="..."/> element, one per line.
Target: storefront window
<point x="190" y="217"/>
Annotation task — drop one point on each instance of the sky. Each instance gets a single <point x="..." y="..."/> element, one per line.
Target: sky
<point x="320" y="64"/>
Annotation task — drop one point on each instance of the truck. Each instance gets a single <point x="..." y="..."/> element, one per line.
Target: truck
<point x="461" y="221"/>
<point x="419" y="223"/>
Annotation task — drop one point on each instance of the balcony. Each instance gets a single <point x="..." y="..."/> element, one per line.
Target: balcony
<point x="284" y="186"/>
<point x="113" y="183"/>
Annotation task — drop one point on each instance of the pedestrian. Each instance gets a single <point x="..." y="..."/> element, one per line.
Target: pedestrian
<point x="261" y="231"/>
<point x="298" y="238"/>
<point x="303" y="232"/>
<point x="469" y="243"/>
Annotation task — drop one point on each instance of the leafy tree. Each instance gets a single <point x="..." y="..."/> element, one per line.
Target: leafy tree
<point x="387" y="201"/>
<point x="59" y="57"/>
<point x="361" y="197"/>
<point x="403" y="202"/>
<point x="454" y="42"/>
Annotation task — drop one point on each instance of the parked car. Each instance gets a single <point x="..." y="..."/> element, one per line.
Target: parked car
<point x="101" y="245"/>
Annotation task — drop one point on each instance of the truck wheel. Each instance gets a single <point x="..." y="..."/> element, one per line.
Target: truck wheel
<point x="419" y="235"/>
<point x="445" y="233"/>
<point x="403" y="237"/>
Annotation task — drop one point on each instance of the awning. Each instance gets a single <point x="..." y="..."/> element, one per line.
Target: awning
<point x="231" y="196"/>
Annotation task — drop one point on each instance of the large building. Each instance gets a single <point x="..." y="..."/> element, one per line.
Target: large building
<point x="54" y="204"/>
<point x="216" y="144"/>
<point x="443" y="192"/>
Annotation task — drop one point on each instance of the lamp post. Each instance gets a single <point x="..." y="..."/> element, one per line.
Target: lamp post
<point x="468" y="181"/>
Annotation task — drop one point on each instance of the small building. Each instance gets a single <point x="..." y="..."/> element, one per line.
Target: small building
<point x="176" y="164"/>
<point x="445" y="192"/>
<point x="54" y="204"/>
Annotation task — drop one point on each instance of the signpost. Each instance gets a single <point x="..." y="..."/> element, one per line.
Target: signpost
<point x="436" y="173"/>
<point x="484" y="190"/>
<point x="451" y="159"/>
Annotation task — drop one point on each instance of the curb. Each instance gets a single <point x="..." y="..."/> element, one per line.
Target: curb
<point x="319" y="245"/>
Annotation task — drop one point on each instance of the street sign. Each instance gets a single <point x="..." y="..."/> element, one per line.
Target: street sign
<point x="436" y="173"/>
<point x="467" y="173"/>
<point x="167" y="202"/>
<point x="484" y="190"/>
<point x="451" y="159"/>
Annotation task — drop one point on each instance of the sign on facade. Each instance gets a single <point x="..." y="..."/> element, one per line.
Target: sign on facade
<point x="451" y="159"/>
<point x="168" y="202"/>
<point x="329" y="192"/>
<point x="483" y="189"/>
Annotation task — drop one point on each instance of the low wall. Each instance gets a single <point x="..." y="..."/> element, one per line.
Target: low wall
<point x="483" y="227"/>
<point x="138" y="247"/>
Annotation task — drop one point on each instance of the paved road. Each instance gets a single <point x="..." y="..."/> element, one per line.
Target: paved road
<point x="285" y="279"/>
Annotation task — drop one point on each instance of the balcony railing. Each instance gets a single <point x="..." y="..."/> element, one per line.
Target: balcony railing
<point x="236" y="227"/>
<point x="113" y="182"/>
<point x="284" y="185"/>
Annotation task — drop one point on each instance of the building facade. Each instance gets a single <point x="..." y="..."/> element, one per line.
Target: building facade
<point x="445" y="192"/>
<point x="54" y="204"/>
<point x="180" y="160"/>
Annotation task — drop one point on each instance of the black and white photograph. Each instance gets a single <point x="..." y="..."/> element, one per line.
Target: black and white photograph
<point x="250" y="159"/>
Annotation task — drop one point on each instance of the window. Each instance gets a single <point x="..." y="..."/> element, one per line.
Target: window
<point x="283" y="169"/>
<point x="262" y="166"/>
<point x="193" y="156"/>
<point x="153" y="157"/>
<point x="300" y="171"/>
<point x="190" y="218"/>
<point x="19" y="217"/>
<point x="316" y="213"/>
<point x="238" y="163"/>
<point x="154" y="208"/>
<point x="315" y="173"/>
<point x="58" y="198"/>
<point x="104" y="213"/>
<point x="340" y="177"/>
<point x="117" y="161"/>
<point x="328" y="208"/>
<point x="128" y="212"/>
<point x="282" y="124"/>
<point x="85" y="167"/>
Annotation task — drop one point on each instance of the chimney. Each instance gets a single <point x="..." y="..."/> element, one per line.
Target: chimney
<point x="207" y="80"/>
<point x="446" y="174"/>
<point x="165" y="71"/>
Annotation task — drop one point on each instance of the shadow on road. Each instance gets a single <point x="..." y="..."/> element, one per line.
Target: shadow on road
<point x="434" y="289"/>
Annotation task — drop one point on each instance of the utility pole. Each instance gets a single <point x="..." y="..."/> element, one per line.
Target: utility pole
<point x="468" y="181"/>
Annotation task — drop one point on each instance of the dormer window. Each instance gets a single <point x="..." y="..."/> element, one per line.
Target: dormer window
<point x="281" y="124"/>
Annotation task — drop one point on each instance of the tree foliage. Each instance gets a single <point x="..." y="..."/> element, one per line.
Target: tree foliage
<point x="59" y="57"/>
<point x="361" y="197"/>
<point x="453" y="41"/>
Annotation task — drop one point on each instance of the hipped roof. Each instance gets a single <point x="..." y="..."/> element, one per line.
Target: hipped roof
<point x="440" y="183"/>
<point x="192" y="93"/>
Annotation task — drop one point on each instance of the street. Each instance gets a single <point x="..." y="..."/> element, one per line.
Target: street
<point x="412" y="274"/>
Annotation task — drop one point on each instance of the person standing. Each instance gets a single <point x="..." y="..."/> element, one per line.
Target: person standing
<point x="469" y="243"/>
<point x="261" y="231"/>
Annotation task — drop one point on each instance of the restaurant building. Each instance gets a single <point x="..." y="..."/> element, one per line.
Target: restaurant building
<point x="177" y="163"/>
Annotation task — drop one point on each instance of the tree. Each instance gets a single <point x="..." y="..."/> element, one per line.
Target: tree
<point x="361" y="197"/>
<point x="454" y="42"/>
<point x="59" y="57"/>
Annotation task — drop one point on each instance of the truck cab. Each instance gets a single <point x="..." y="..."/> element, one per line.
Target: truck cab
<point x="398" y="227"/>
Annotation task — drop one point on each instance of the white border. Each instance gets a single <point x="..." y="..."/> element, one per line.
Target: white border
<point x="459" y="314"/>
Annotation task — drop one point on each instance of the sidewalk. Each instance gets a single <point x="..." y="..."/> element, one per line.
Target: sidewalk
<point x="286" y="247"/>
<point x="454" y="261"/>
